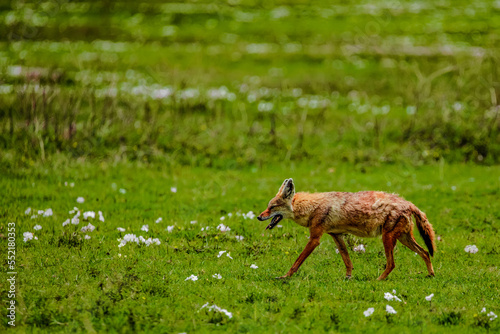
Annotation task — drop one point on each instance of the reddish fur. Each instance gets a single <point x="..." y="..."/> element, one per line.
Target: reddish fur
<point x="365" y="214"/>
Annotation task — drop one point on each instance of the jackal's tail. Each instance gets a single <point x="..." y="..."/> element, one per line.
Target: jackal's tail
<point x="425" y="229"/>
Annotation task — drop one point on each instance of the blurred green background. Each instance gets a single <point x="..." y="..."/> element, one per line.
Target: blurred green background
<point x="234" y="83"/>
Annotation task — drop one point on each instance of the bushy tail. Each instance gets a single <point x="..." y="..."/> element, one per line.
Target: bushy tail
<point x="425" y="229"/>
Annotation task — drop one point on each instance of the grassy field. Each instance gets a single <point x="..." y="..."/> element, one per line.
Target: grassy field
<point x="69" y="283"/>
<point x="196" y="111"/>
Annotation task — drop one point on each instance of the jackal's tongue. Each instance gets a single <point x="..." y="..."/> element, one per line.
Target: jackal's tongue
<point x="274" y="222"/>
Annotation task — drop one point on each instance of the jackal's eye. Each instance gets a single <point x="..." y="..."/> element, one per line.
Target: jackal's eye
<point x="272" y="207"/>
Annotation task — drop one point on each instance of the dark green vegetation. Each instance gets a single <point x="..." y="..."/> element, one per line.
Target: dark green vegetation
<point x="223" y="100"/>
<point x="244" y="82"/>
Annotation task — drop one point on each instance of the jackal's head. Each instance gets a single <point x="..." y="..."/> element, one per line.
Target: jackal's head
<point x="280" y="206"/>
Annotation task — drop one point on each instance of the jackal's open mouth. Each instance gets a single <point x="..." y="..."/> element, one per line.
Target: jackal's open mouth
<point x="274" y="222"/>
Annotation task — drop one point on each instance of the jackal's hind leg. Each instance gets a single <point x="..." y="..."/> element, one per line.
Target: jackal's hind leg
<point x="389" y="240"/>
<point x="408" y="240"/>
<point x="339" y="241"/>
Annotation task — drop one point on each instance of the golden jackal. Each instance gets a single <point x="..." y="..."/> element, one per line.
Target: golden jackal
<point x="364" y="214"/>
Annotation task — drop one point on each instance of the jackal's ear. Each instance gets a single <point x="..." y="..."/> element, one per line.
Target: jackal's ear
<point x="280" y="192"/>
<point x="288" y="189"/>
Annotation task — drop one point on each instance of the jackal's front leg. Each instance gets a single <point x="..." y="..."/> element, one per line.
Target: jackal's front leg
<point x="339" y="241"/>
<point x="311" y="245"/>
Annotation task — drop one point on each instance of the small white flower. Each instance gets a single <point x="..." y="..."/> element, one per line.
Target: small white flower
<point x="192" y="278"/>
<point x="471" y="249"/>
<point x="222" y="218"/>
<point x="66" y="222"/>
<point x="173" y="189"/>
<point x="28" y="211"/>
<point x="122" y="191"/>
<point x="34" y="216"/>
<point x="394" y="291"/>
<point x="223" y="228"/>
<point x="253" y="266"/>
<point x="145" y="228"/>
<point x="429" y="297"/>
<point x="192" y="222"/>
<point x="80" y="199"/>
<point x="218" y="309"/>
<point x="48" y="213"/>
<point x="229" y="255"/>
<point x="390" y="297"/>
<point x="72" y="184"/>
<point x="170" y="228"/>
<point x="101" y="217"/>
<point x="229" y="214"/>
<point x="218" y="276"/>
<point x="87" y="236"/>
<point x="483" y="310"/>
<point x="158" y="220"/>
<point x="89" y="228"/>
<point x="120" y="229"/>
<point x="369" y="312"/>
<point x="27" y="236"/>
<point x="75" y="221"/>
<point x="220" y="253"/>
<point x="389" y="309"/>
<point x="359" y="249"/>
<point x="337" y="250"/>
<point x="37" y="227"/>
<point x="492" y="316"/>
<point x="88" y="214"/>
<point x="239" y="237"/>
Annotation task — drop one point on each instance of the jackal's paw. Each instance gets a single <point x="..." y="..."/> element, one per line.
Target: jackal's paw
<point x="347" y="277"/>
<point x="282" y="277"/>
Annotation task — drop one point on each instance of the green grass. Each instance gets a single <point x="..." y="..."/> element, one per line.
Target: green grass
<point x="223" y="100"/>
<point x="67" y="283"/>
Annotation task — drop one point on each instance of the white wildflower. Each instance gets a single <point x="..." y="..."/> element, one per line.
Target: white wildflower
<point x="173" y="189"/>
<point x="48" y="213"/>
<point x="359" y="249"/>
<point x="223" y="228"/>
<point x="27" y="236"/>
<point x="218" y="276"/>
<point x="88" y="228"/>
<point x="253" y="266"/>
<point x="120" y="229"/>
<point x="80" y="200"/>
<point x="483" y="310"/>
<point x="389" y="309"/>
<point x="192" y="222"/>
<point x="34" y="216"/>
<point x="28" y="211"/>
<point x="229" y="214"/>
<point x="229" y="255"/>
<point x="88" y="214"/>
<point x="122" y="191"/>
<point x="145" y="228"/>
<point x="471" y="249"/>
<point x="369" y="312"/>
<point x="239" y="237"/>
<point x="192" y="278"/>
<point x="429" y="297"/>
<point x="87" y="236"/>
<point x="492" y="316"/>
<point x="37" y="227"/>
<point x="390" y="297"/>
<point x="218" y="309"/>
<point x="101" y="217"/>
<point x="158" y="220"/>
<point x="220" y="253"/>
<point x="222" y="218"/>
<point x="170" y="228"/>
<point x="66" y="222"/>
